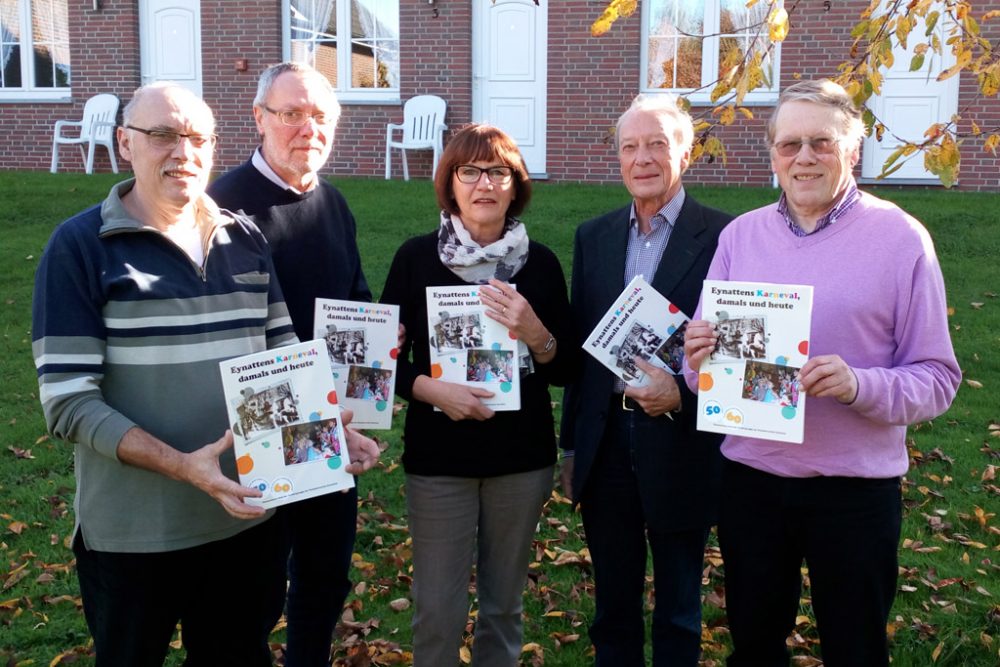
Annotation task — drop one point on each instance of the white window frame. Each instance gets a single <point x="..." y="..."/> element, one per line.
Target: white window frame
<point x="709" y="63"/>
<point x="31" y="93"/>
<point x="344" y="93"/>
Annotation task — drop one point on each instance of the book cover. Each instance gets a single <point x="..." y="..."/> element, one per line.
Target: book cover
<point x="467" y="347"/>
<point x="287" y="433"/>
<point x="641" y="323"/>
<point x="361" y="341"/>
<point x="749" y="386"/>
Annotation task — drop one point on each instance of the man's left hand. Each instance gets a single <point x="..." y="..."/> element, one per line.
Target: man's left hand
<point x="362" y="451"/>
<point x="660" y="395"/>
<point x="829" y="375"/>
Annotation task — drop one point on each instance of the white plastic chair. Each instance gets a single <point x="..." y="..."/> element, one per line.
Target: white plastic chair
<point x="422" y="129"/>
<point x="96" y="128"/>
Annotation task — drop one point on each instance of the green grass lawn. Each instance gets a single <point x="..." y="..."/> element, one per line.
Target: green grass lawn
<point x="947" y="610"/>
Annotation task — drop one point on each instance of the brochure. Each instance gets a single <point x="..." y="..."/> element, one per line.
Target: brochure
<point x="749" y="386"/>
<point x="467" y="347"/>
<point x="287" y="432"/>
<point x="641" y="323"/>
<point x="361" y="341"/>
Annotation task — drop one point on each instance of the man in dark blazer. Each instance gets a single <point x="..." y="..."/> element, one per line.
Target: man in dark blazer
<point x="637" y="466"/>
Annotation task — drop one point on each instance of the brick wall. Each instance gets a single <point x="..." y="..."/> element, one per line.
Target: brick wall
<point x="104" y="56"/>
<point x="590" y="81"/>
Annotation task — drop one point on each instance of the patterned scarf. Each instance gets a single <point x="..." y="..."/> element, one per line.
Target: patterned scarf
<point x="476" y="264"/>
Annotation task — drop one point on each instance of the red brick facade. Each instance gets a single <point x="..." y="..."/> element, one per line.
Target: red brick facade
<point x="590" y="81"/>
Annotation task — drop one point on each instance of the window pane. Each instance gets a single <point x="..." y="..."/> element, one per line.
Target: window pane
<point x="50" y="35"/>
<point x="10" y="49"/>
<point x="662" y="60"/>
<point x="689" y="63"/>
<point x="314" y="35"/>
<point x="674" y="46"/>
<point x="374" y="43"/>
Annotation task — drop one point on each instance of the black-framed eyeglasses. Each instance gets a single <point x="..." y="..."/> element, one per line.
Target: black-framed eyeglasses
<point x="820" y="146"/>
<point x="300" y="118"/>
<point x="470" y="173"/>
<point x="168" y="140"/>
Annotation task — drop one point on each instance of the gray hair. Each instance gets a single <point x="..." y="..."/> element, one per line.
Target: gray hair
<point x="662" y="104"/>
<point x="129" y="111"/>
<point x="271" y="74"/>
<point x="825" y="93"/>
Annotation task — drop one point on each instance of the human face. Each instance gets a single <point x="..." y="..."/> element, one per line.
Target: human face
<point x="651" y="159"/>
<point x="168" y="179"/>
<point x="483" y="205"/>
<point x="297" y="153"/>
<point x="812" y="182"/>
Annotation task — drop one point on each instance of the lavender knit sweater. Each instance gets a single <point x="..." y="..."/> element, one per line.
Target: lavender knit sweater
<point x="879" y="303"/>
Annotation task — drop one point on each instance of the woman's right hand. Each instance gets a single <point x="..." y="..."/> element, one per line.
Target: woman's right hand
<point x="458" y="401"/>
<point x="700" y="340"/>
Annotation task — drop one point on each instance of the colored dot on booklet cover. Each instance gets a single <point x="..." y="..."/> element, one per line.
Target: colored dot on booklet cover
<point x="674" y="309"/>
<point x="505" y="387"/>
<point x="244" y="464"/>
<point x="804" y="347"/>
<point x="333" y="462"/>
<point x="705" y="382"/>
<point x="381" y="405"/>
<point x="788" y="412"/>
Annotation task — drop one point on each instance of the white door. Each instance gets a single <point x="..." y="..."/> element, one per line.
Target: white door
<point x="509" y="72"/>
<point x="910" y="103"/>
<point x="170" y="42"/>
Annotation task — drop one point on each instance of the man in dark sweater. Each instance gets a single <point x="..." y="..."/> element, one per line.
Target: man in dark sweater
<point x="312" y="236"/>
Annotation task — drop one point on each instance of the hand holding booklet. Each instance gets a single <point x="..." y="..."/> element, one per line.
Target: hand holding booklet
<point x="641" y="323"/>
<point x="749" y="386"/>
<point x="361" y="340"/>
<point x="288" y="436"/>
<point x="467" y="347"/>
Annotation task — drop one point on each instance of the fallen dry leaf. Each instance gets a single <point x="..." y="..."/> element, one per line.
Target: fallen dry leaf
<point x="975" y="384"/>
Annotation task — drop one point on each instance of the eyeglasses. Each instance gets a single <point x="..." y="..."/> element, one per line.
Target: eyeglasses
<point x="470" y="173"/>
<point x="300" y="118"/>
<point x="168" y="140"/>
<point x="820" y="146"/>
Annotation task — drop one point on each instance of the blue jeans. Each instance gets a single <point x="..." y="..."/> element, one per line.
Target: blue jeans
<point x="322" y="531"/>
<point x="226" y="594"/>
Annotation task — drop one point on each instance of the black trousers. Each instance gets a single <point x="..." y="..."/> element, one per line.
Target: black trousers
<point x="618" y="533"/>
<point x="227" y="595"/>
<point x="846" y="529"/>
<point x="322" y="531"/>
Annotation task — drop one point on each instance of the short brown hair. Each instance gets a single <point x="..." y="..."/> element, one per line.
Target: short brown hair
<point x="481" y="143"/>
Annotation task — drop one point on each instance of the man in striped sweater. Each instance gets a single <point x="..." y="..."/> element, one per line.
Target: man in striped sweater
<point x="136" y="302"/>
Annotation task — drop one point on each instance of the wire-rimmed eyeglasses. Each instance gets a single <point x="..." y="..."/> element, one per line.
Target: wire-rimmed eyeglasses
<point x="167" y="139"/>
<point x="470" y="173"/>
<point x="300" y="118"/>
<point x="819" y="145"/>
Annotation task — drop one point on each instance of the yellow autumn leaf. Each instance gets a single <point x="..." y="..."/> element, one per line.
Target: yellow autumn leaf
<point x="989" y="80"/>
<point x="728" y="115"/>
<point x="777" y="24"/>
<point x="746" y="112"/>
<point x="465" y="655"/>
<point x="975" y="384"/>
<point x="991" y="143"/>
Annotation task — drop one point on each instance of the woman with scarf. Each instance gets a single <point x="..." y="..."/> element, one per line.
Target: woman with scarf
<point x="476" y="479"/>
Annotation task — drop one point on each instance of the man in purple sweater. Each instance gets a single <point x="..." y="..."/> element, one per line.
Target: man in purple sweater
<point x="881" y="359"/>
